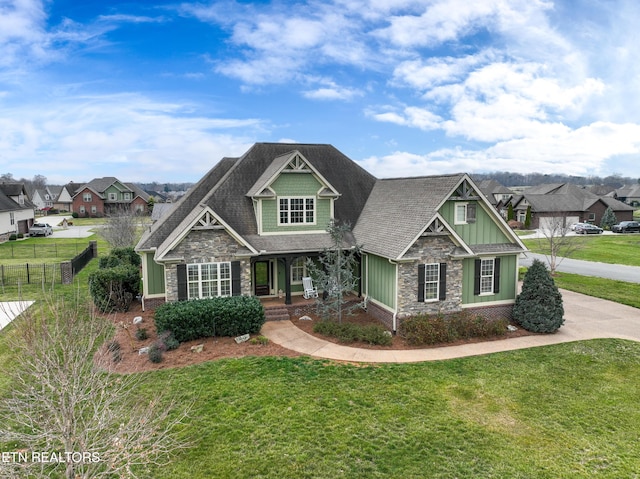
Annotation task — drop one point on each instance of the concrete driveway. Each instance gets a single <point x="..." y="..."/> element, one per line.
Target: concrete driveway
<point x="586" y="317"/>
<point x="70" y="231"/>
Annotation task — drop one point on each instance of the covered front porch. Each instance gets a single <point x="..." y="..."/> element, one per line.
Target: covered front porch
<point x="278" y="277"/>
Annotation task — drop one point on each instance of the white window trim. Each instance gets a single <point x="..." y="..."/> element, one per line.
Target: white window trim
<point x="219" y="281"/>
<point x="437" y="283"/>
<point x="304" y="198"/>
<point x="127" y="196"/>
<point x="304" y="270"/>
<point x="113" y="196"/>
<point x="455" y="214"/>
<point x="87" y="198"/>
<point x="493" y="276"/>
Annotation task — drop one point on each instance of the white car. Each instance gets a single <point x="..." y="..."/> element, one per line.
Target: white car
<point x="40" y="229"/>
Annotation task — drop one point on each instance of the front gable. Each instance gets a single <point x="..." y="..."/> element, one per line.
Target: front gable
<point x="291" y="196"/>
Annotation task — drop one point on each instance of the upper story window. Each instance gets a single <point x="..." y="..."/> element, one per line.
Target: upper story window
<point x="113" y="197"/>
<point x="465" y="213"/>
<point x="127" y="196"/>
<point x="21" y="199"/>
<point x="296" y="211"/>
<point x="86" y="197"/>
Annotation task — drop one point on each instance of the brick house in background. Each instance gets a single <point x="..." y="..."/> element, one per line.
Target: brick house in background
<point x="107" y="196"/>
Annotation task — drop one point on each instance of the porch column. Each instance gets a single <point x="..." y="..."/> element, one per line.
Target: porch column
<point x="287" y="280"/>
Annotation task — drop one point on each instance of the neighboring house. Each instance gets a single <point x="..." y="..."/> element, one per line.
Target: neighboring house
<point x="108" y="195"/>
<point x="16" y="210"/>
<point x="495" y="191"/>
<point x="429" y="244"/>
<point x="42" y="198"/>
<point x="629" y="194"/>
<point x="570" y="203"/>
<point x="62" y="197"/>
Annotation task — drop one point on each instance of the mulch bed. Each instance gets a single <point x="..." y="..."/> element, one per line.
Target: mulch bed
<point x="222" y="347"/>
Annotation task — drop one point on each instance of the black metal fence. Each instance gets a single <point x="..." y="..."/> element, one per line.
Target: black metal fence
<point x="47" y="273"/>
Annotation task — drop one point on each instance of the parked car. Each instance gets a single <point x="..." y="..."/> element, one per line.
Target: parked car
<point x="626" y="227"/>
<point x="588" y="229"/>
<point x="576" y="225"/>
<point x="40" y="229"/>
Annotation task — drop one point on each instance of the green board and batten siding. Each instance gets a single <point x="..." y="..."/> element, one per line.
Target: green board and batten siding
<point x="381" y="280"/>
<point x="483" y="231"/>
<point x="154" y="276"/>
<point x="507" y="281"/>
<point x="295" y="184"/>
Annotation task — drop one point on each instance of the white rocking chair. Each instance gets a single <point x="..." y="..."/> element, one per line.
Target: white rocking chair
<point x="310" y="291"/>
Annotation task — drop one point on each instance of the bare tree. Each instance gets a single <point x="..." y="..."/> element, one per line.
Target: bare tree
<point x="558" y="242"/>
<point x="67" y="415"/>
<point x="121" y="229"/>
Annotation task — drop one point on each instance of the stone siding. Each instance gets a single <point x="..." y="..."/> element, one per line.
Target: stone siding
<point x="207" y="246"/>
<point x="429" y="249"/>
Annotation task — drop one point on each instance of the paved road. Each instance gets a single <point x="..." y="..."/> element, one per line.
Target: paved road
<point x="630" y="274"/>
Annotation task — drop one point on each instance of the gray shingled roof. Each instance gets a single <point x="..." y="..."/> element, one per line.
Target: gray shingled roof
<point x="566" y="197"/>
<point x="399" y="209"/>
<point x="7" y="190"/>
<point x="224" y="190"/>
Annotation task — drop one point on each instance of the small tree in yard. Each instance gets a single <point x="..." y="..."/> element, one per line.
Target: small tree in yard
<point x="64" y="400"/>
<point x="557" y="241"/>
<point x="538" y="307"/>
<point x="608" y="219"/>
<point x="527" y="218"/>
<point x="335" y="274"/>
<point x="120" y="229"/>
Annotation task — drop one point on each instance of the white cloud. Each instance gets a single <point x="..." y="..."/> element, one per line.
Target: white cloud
<point x="145" y="140"/>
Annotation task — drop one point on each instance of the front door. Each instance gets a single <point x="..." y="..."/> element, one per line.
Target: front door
<point x="263" y="278"/>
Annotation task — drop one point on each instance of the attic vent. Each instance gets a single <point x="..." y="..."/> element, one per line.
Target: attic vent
<point x="465" y="191"/>
<point x="297" y="164"/>
<point x="207" y="219"/>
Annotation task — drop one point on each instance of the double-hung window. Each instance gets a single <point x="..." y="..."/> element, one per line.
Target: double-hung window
<point x="297" y="210"/>
<point x="486" y="276"/>
<point x="207" y="280"/>
<point x="298" y="270"/>
<point x="86" y="197"/>
<point x="431" y="281"/>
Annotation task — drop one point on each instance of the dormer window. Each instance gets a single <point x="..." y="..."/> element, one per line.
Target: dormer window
<point x="296" y="211"/>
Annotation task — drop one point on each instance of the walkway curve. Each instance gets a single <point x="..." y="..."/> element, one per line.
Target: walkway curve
<point x="586" y="317"/>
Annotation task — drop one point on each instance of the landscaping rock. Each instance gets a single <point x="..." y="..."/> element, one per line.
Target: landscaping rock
<point x="198" y="348"/>
<point x="144" y="350"/>
<point x="137" y="320"/>
<point x="242" y="339"/>
<point x="305" y="318"/>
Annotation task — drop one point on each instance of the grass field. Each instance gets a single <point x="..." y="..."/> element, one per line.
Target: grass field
<point x="565" y="411"/>
<point x="620" y="249"/>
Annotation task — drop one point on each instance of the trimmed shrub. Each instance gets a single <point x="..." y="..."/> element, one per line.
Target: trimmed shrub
<point x="120" y="256"/>
<point x="538" y="307"/>
<point x="259" y="341"/>
<point x="141" y="334"/>
<point x="169" y="341"/>
<point x="201" y="318"/>
<point x="155" y="353"/>
<point x="346" y="332"/>
<point x="432" y="329"/>
<point x="113" y="289"/>
<point x="13" y="237"/>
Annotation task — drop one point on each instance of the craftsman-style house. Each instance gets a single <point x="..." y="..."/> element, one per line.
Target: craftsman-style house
<point x="429" y="244"/>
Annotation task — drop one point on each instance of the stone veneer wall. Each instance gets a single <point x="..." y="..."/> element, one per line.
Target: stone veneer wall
<point x="498" y="311"/>
<point x="207" y="246"/>
<point x="429" y="249"/>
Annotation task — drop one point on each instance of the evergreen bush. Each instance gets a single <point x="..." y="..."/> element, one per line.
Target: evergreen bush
<point x="201" y="318"/>
<point x="113" y="289"/>
<point x="538" y="307"/>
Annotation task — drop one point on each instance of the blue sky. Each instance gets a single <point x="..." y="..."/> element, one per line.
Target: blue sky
<point x="160" y="91"/>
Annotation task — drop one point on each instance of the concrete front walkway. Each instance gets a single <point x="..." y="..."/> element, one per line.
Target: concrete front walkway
<point x="585" y="318"/>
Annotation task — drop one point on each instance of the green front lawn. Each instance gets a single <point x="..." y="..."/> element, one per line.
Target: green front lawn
<point x="620" y="249"/>
<point x="612" y="290"/>
<point x="565" y="411"/>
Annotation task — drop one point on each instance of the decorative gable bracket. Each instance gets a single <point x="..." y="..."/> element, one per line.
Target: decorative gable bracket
<point x="465" y="191"/>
